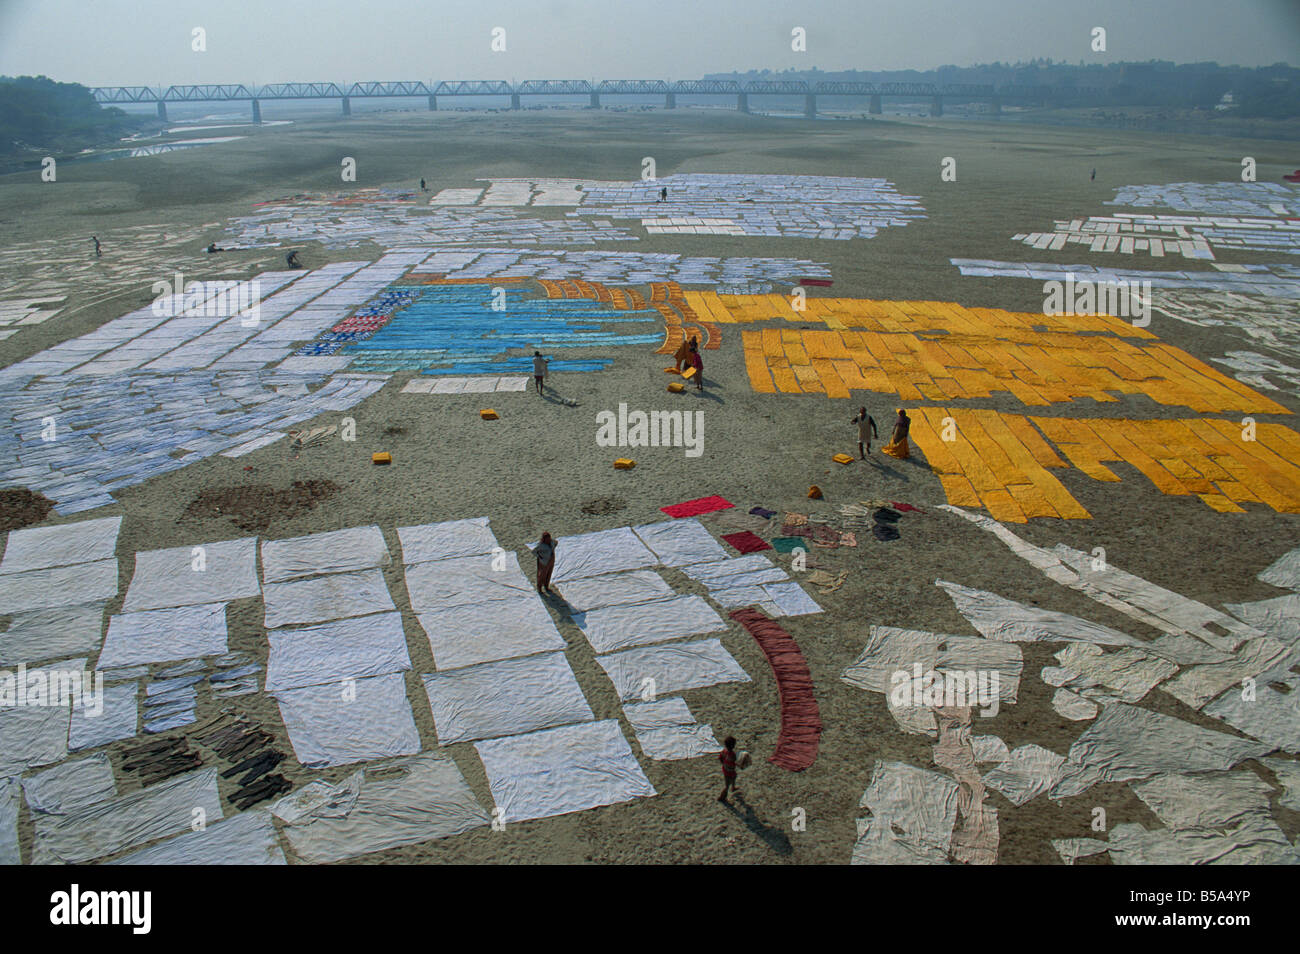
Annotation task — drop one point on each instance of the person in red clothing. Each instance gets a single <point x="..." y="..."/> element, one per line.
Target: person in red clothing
<point x="697" y="362"/>
<point x="728" y="759"/>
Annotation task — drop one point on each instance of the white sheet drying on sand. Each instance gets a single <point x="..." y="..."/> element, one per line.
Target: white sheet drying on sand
<point x="224" y="571"/>
<point x="466" y="580"/>
<point x="1272" y="716"/>
<point x="790" y="599"/>
<point x="1279" y="617"/>
<point x="245" y="839"/>
<point x="675" y="667"/>
<point x="483" y="632"/>
<point x="681" y="542"/>
<point x="336" y="596"/>
<point x="913" y="812"/>
<point x="336" y="551"/>
<point x="666" y="730"/>
<point x="52" y="634"/>
<point x="58" y="586"/>
<point x="508" y="697"/>
<point x="39" y="547"/>
<point x="605" y="551"/>
<point x="403" y="802"/>
<point x="1288" y="776"/>
<point x="10" y="853"/>
<point x="612" y="589"/>
<point x="751" y="569"/>
<point x="1026" y="773"/>
<point x="445" y="541"/>
<point x="1130" y="673"/>
<point x="119" y="719"/>
<point x="164" y="635"/>
<point x="557" y="771"/>
<point x="1126" y="742"/>
<point x="353" y="722"/>
<point x="71" y="786"/>
<point x="113" y="825"/>
<point x="890" y="650"/>
<point x="1284" y="572"/>
<point x="997" y="617"/>
<point x="32" y="735"/>
<point x="346" y="648"/>
<point x="637" y="624"/>
<point x="1264" y="657"/>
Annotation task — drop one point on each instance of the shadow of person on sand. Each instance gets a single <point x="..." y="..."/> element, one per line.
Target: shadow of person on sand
<point x="709" y="393"/>
<point x="550" y="397"/>
<point x="770" y="835"/>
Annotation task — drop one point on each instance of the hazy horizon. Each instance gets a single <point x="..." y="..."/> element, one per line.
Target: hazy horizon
<point x="149" y="42"/>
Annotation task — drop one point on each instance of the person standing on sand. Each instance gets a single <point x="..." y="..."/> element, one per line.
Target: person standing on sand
<point x="422" y="189"/>
<point x="545" y="553"/>
<point x="539" y="371"/>
<point x="866" y="431"/>
<point x="897" y="446"/>
<point x="98" y="253"/>
<point x="728" y="759"/>
<point x="663" y="194"/>
<point x="697" y="362"/>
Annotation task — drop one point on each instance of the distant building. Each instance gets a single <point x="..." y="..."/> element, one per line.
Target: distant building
<point x="1226" y="103"/>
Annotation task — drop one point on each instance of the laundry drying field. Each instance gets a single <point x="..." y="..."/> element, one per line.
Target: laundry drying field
<point x="1092" y="550"/>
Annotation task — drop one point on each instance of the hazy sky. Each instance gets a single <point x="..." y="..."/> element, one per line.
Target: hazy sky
<point x="147" y="42"/>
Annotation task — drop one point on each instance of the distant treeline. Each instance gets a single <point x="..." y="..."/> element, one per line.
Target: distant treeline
<point x="1266" y="91"/>
<point x="39" y="115"/>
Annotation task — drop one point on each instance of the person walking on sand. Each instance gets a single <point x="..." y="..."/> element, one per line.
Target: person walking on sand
<point x="697" y="362"/>
<point x="545" y="553"/>
<point x="866" y="431"/>
<point x="422" y="189"/>
<point x="728" y="759"/>
<point x="897" y="446"/>
<point x="98" y="253"/>
<point x="539" y="371"/>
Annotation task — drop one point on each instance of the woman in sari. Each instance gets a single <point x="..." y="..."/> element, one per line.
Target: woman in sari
<point x="897" y="446"/>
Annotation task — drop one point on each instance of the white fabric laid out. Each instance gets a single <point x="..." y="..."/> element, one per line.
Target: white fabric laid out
<point x="1126" y="742"/>
<point x="612" y="589"/>
<point x="989" y="748"/>
<point x="1284" y="572"/>
<point x="1131" y="844"/>
<point x="52" y="634"/>
<point x="557" y="771"/>
<point x="445" y="541"/>
<point x="733" y="597"/>
<point x="119" y="720"/>
<point x="482" y="632"/>
<point x="319" y="799"/>
<point x="347" y="648"/>
<point x="58" y="586"/>
<point x="913" y="812"/>
<point x="336" y="596"/>
<point x="1288" y="776"/>
<point x="681" y="542"/>
<point x="70" y="786"/>
<point x="1072" y="706"/>
<point x="466" y="580"/>
<point x="248" y="838"/>
<point x="674" y="667"/>
<point x="164" y="635"/>
<point x="1027" y="772"/>
<point x="1072" y="849"/>
<point x="1264" y="658"/>
<point x="10" y="853"/>
<point x="997" y="617"/>
<point x="110" y="826"/>
<point x="39" y="547"/>
<point x="185" y="576"/>
<point x="403" y="802"/>
<point x="508" y="697"/>
<point x="1279" y="617"/>
<point x="35" y="734"/>
<point x="665" y="729"/>
<point x="354" y="722"/>
<point x="605" y="551"/>
<point x="636" y="624"/>
<point x="751" y="569"/>
<point x="790" y="599"/>
<point x="1130" y="672"/>
<point x="1272" y="716"/>
<point x="337" y="551"/>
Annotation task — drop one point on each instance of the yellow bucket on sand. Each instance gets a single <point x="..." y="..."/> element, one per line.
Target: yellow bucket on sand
<point x="624" y="463"/>
<point x="488" y="414"/>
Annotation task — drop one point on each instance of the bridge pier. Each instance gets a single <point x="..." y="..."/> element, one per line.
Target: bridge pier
<point x="595" y="100"/>
<point x="257" y="111"/>
<point x="875" y="107"/>
<point x="162" y="110"/>
<point x="936" y="106"/>
<point x="670" y="101"/>
<point x="742" y="102"/>
<point x="514" y="100"/>
<point x="347" y="106"/>
<point x="433" y="103"/>
<point x="810" y="106"/>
